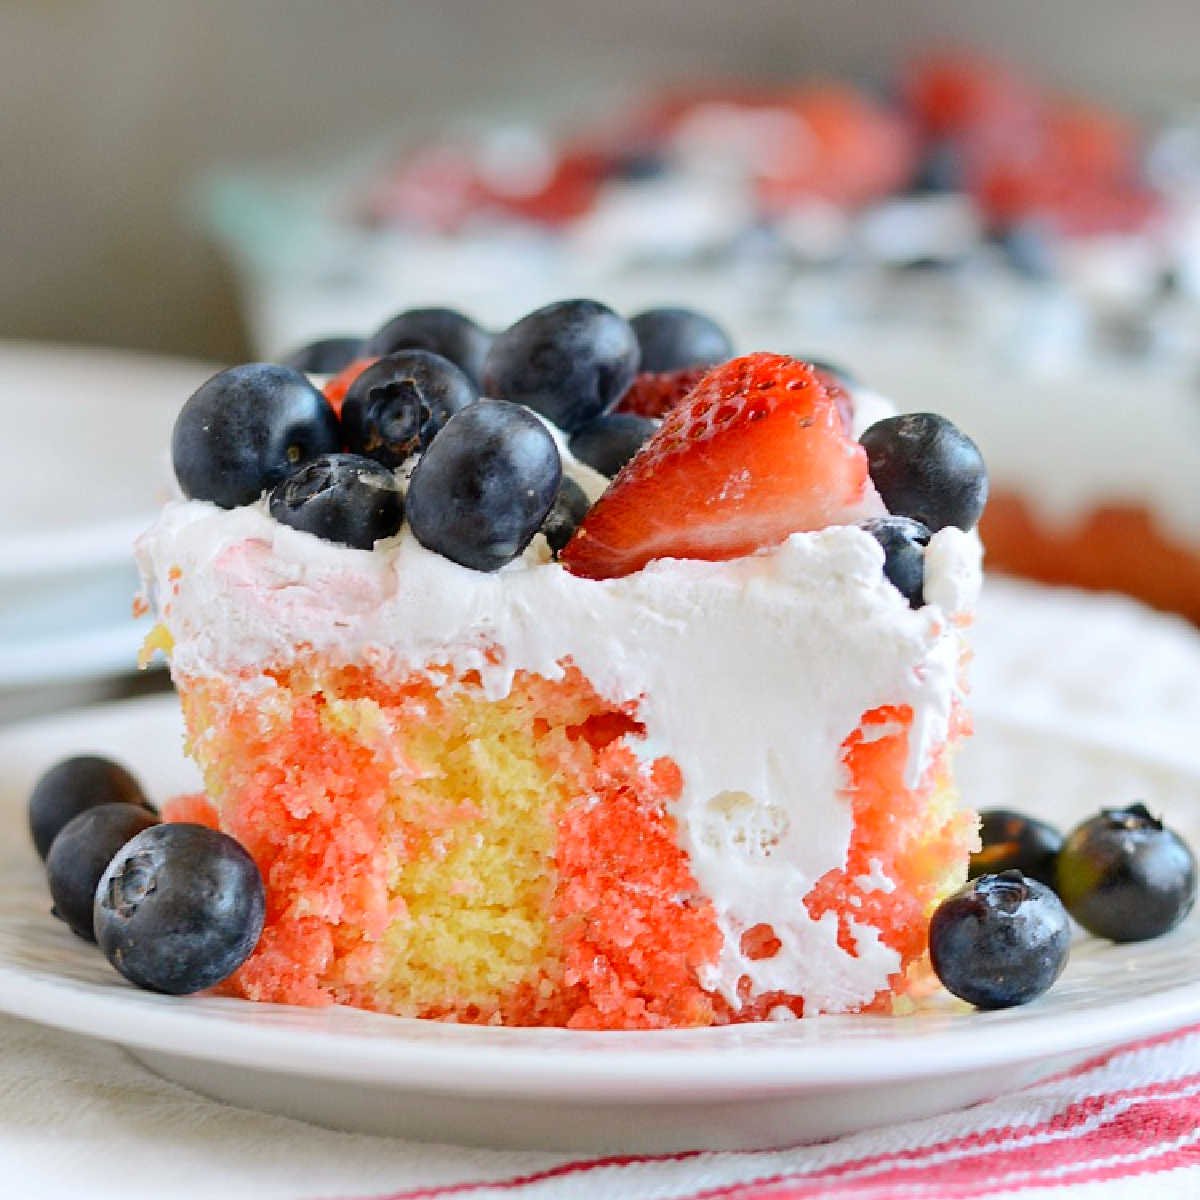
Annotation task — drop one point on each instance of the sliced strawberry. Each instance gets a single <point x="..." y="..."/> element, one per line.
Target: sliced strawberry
<point x="844" y="148"/>
<point x="956" y="94"/>
<point x="654" y="394"/>
<point x="339" y="385"/>
<point x="840" y="394"/>
<point x="756" y="452"/>
<point x="568" y="192"/>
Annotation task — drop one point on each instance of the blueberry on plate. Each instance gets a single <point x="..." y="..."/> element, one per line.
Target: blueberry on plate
<point x="925" y="468"/>
<point x="246" y="428"/>
<point x="484" y="487"/>
<point x="73" y="786"/>
<point x="326" y="356"/>
<point x="672" y="339"/>
<point x="571" y="361"/>
<point x="396" y="407"/>
<point x="903" y="541"/>
<point x="1000" y="941"/>
<point x="179" y="909"/>
<point x="609" y="442"/>
<point x="568" y="510"/>
<point x="1013" y="841"/>
<point x="438" y="330"/>
<point x="342" y="498"/>
<point x="80" y="854"/>
<point x="1124" y="876"/>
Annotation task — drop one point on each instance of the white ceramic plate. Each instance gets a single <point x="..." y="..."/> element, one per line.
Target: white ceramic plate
<point x="94" y="652"/>
<point x="87" y="437"/>
<point x="735" y="1087"/>
<point x="86" y="468"/>
<point x="71" y="628"/>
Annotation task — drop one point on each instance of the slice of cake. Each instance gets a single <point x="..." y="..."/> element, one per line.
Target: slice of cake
<point x="695" y="769"/>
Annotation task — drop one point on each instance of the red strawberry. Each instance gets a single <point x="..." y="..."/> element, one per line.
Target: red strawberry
<point x="756" y="452"/>
<point x="568" y="192"/>
<point x="965" y="95"/>
<point x="339" y="385"/>
<point x="843" y="401"/>
<point x="654" y="394"/>
<point x="844" y="147"/>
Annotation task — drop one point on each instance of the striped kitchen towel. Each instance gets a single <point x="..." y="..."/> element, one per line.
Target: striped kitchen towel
<point x="80" y="1119"/>
<point x="1123" y="1124"/>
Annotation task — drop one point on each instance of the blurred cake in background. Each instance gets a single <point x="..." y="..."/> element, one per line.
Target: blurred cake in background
<point x="1095" y="466"/>
<point x="975" y="243"/>
<point x="795" y="202"/>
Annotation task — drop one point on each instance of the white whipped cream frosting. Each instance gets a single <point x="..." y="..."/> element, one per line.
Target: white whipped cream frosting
<point x="749" y="674"/>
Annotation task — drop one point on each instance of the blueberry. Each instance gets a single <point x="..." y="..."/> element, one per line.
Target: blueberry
<point x="925" y="468"/>
<point x="571" y="362"/>
<point x="940" y="170"/>
<point x="327" y="356"/>
<point x="484" y="487"/>
<point x="245" y="429"/>
<point x="342" y="498"/>
<point x="179" y="909"/>
<point x="639" y="165"/>
<point x="73" y="786"/>
<point x="1123" y="876"/>
<point x="80" y="854"/>
<point x="1030" y="249"/>
<point x="568" y="510"/>
<point x="438" y="330"/>
<point x="396" y="407"/>
<point x="672" y="339"/>
<point x="1013" y="841"/>
<point x="903" y="541"/>
<point x="1000" y="941"/>
<point x="609" y="442"/>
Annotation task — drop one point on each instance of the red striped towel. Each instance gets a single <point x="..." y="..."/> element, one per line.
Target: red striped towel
<point x="1123" y="1124"/>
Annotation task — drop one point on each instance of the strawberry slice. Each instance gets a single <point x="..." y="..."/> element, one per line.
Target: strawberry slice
<point x="756" y="452"/>
<point x="339" y="385"/>
<point x="654" y="394"/>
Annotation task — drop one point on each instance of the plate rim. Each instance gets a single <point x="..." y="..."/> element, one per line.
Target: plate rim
<point x="81" y="656"/>
<point x="31" y="557"/>
<point x="472" y="1066"/>
<point x="556" y="1063"/>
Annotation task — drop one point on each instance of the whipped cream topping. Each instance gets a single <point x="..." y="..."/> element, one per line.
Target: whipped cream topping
<point x="749" y="674"/>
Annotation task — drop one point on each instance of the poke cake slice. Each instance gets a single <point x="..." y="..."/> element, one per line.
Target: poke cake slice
<point x="511" y="743"/>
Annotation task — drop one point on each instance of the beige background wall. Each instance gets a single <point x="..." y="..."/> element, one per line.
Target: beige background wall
<point x="109" y="109"/>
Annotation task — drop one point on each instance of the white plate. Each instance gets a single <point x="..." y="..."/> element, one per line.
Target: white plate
<point x="86" y="453"/>
<point x="86" y="468"/>
<point x="93" y="652"/>
<point x="735" y="1087"/>
<point x="70" y="628"/>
